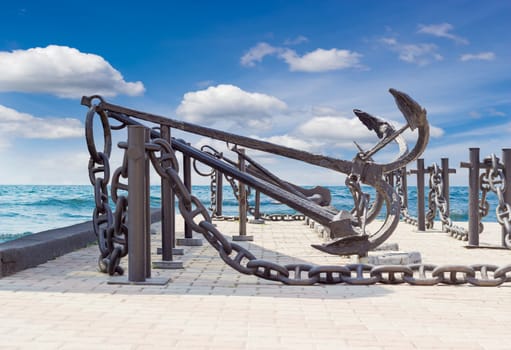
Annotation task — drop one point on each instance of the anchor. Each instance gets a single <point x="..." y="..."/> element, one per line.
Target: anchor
<point x="366" y="170"/>
<point x="348" y="234"/>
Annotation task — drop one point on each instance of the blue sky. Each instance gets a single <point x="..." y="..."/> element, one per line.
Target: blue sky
<point x="285" y="71"/>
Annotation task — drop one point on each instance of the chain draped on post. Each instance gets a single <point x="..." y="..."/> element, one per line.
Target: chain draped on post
<point x="494" y="180"/>
<point x="110" y="227"/>
<point x="437" y="202"/>
<point x="401" y="189"/>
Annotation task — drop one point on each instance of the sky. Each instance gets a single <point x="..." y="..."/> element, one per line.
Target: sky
<point x="289" y="72"/>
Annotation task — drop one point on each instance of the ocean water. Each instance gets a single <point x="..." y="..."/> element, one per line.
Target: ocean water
<point x="27" y="209"/>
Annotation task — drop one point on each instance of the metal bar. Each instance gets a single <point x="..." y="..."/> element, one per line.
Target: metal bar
<point x="219" y="192"/>
<point x="421" y="216"/>
<point x="147" y="205"/>
<point x="121" y="113"/>
<point x="257" y="211"/>
<point x="404" y="180"/>
<point x="473" y="195"/>
<point x="446" y="192"/>
<point x="136" y="204"/>
<point x="187" y="179"/>
<point x="506" y="160"/>
<point x="168" y="225"/>
<point x="242" y="195"/>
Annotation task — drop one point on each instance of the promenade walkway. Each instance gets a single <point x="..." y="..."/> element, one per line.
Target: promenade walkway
<point x="67" y="304"/>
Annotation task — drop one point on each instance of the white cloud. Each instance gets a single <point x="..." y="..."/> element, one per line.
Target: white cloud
<point x="420" y="54"/>
<point x="257" y="53"/>
<point x="62" y="71"/>
<point x="298" y="40"/>
<point x="321" y="60"/>
<point x="294" y="142"/>
<point x="17" y="124"/>
<point x="442" y="30"/>
<point x="229" y="102"/>
<point x="482" y="56"/>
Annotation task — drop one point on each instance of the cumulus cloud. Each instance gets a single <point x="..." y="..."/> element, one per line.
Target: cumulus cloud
<point x="14" y="123"/>
<point x="482" y="56"/>
<point x="295" y="142"/>
<point x="336" y="131"/>
<point x="229" y="102"/>
<point x="62" y="71"/>
<point x="319" y="60"/>
<point x="442" y="30"/>
<point x="420" y="54"/>
<point x="257" y="53"/>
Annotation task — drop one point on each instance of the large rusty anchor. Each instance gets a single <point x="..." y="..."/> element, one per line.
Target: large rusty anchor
<point x="351" y="239"/>
<point x="348" y="233"/>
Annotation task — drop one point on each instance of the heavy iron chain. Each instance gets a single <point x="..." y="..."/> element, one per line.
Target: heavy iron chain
<point x="438" y="202"/>
<point x="214" y="191"/>
<point x="400" y="189"/>
<point x="243" y="261"/>
<point x="110" y="227"/>
<point x="493" y="179"/>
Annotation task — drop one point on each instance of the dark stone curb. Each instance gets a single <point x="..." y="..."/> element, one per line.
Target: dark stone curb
<point x="30" y="251"/>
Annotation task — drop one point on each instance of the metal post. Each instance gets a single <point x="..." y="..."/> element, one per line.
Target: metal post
<point x="188" y="239"/>
<point x="446" y="190"/>
<point x="242" y="203"/>
<point x="404" y="181"/>
<point x="473" y="188"/>
<point x="187" y="177"/>
<point x="168" y="223"/>
<point x="421" y="219"/>
<point x="168" y="227"/>
<point x="136" y="204"/>
<point x="147" y="205"/>
<point x="139" y="219"/>
<point x="219" y="192"/>
<point x="257" y="211"/>
<point x="506" y="160"/>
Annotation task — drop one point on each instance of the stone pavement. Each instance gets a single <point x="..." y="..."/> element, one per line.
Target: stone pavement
<point x="67" y="304"/>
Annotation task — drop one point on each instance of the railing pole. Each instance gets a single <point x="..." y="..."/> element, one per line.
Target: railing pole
<point x="257" y="210"/>
<point x="242" y="202"/>
<point x="147" y="204"/>
<point x="473" y="188"/>
<point x="219" y="192"/>
<point x="421" y="219"/>
<point x="168" y="217"/>
<point x="137" y="211"/>
<point x="187" y="177"/>
<point x="506" y="160"/>
<point x="404" y="181"/>
<point x="168" y="225"/>
<point x="188" y="239"/>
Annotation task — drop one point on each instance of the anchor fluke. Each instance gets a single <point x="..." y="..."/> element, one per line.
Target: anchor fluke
<point x="349" y="245"/>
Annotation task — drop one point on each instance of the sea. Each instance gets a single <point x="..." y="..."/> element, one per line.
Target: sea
<point x="28" y="209"/>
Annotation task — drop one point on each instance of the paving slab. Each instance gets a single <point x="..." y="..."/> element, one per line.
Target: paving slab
<point x="67" y="304"/>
